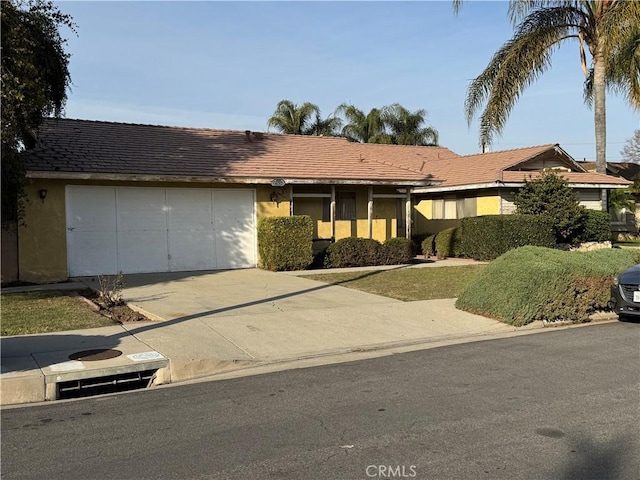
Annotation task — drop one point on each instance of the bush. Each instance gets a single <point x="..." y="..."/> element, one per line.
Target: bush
<point x="429" y="246"/>
<point x="535" y="283"/>
<point x="285" y="243"/>
<point x="355" y="252"/>
<point x="551" y="196"/>
<point x="488" y="237"/>
<point x="397" y="251"/>
<point x="448" y="243"/>
<point x="595" y="226"/>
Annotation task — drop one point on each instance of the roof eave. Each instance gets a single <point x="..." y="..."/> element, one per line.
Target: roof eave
<point x="130" y="177"/>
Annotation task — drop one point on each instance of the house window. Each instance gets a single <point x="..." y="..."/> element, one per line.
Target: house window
<point x="345" y="207"/>
<point x="618" y="216"/>
<point x="466" y="207"/>
<point x="454" y="208"/>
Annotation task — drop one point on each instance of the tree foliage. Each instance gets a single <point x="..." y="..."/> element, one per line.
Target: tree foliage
<point x="631" y="150"/>
<point x="35" y="78"/>
<point x="303" y="119"/>
<point x="606" y="30"/>
<point x="551" y="195"/>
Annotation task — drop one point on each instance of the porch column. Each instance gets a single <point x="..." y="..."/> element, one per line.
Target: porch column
<point x="290" y="200"/>
<point x="333" y="211"/>
<point x="370" y="214"/>
<point x="408" y="212"/>
<point x="603" y="200"/>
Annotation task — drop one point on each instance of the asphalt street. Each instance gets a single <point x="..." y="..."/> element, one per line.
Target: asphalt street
<point x="555" y="405"/>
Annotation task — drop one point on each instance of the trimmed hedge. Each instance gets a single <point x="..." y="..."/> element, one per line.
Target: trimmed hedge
<point x="285" y="243"/>
<point x="398" y="251"/>
<point x="429" y="246"/>
<point x="488" y="237"/>
<point x="596" y="226"/>
<point x="536" y="283"/>
<point x="355" y="252"/>
<point x="365" y="252"/>
<point x="448" y="243"/>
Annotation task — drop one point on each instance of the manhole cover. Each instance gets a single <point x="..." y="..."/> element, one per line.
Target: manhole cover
<point x="94" y="355"/>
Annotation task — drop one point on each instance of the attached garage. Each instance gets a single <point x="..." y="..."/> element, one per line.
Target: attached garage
<point x="145" y="229"/>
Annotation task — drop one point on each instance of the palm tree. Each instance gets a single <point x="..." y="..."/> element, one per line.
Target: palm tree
<point x="406" y="128"/>
<point x="327" y="127"/>
<point x="610" y="31"/>
<point x="293" y="119"/>
<point x="363" y="128"/>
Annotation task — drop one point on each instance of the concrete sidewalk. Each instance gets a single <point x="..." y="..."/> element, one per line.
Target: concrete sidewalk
<point x="213" y="322"/>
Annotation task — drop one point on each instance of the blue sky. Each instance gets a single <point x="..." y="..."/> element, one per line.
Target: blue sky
<point x="226" y="65"/>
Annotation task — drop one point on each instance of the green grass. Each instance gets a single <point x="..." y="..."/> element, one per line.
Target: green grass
<point x="48" y="311"/>
<point x="406" y="284"/>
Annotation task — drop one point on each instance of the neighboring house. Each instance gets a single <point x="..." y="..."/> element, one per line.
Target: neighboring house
<point x="622" y="221"/>
<point x="108" y="197"/>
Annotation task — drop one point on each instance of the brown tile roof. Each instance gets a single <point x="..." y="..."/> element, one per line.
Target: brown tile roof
<point x="91" y="147"/>
<point x="572" y="177"/>
<point x="104" y="147"/>
<point x="482" y="167"/>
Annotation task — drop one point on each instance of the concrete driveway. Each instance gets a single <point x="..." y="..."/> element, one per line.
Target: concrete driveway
<point x="214" y="321"/>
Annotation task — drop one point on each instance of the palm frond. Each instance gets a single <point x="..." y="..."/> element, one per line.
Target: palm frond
<point x="517" y="64"/>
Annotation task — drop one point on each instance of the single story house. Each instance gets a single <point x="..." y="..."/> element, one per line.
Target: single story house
<point x="106" y="197"/>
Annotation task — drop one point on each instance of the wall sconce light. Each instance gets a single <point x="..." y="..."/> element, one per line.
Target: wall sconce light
<point x="274" y="196"/>
<point x="43" y="194"/>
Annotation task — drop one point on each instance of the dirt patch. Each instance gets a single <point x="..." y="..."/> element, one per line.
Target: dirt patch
<point x="119" y="313"/>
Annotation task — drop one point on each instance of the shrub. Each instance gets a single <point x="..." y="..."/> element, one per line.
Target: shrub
<point x="551" y="196"/>
<point x="448" y="242"/>
<point x="535" y="283"/>
<point x="355" y="252"/>
<point x="397" y="251"/>
<point x="595" y="226"/>
<point x="429" y="246"/>
<point x="488" y="237"/>
<point x="285" y="243"/>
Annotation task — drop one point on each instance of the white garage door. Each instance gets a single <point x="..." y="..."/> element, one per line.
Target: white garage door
<point x="139" y="230"/>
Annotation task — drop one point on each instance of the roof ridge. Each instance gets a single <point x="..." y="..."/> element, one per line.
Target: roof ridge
<point x="208" y="129"/>
<point x="548" y="145"/>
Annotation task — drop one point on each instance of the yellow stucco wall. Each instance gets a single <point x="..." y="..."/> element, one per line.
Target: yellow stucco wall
<point x="488" y="203"/>
<point x="42" y="240"/>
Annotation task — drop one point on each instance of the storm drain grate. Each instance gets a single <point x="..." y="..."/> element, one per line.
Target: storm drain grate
<point x="109" y="384"/>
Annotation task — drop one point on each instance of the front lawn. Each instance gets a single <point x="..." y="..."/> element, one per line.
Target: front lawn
<point x="47" y="311"/>
<point x="407" y="284"/>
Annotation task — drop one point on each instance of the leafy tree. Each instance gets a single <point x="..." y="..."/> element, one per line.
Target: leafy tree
<point x="406" y="128"/>
<point x="608" y="29"/>
<point x="363" y="128"/>
<point x="631" y="150"/>
<point x="35" y="77"/>
<point x="621" y="199"/>
<point x="551" y="195"/>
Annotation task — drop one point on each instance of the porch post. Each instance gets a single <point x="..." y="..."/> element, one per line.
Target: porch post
<point x="370" y="214"/>
<point x="333" y="211"/>
<point x="290" y="200"/>
<point x="408" y="211"/>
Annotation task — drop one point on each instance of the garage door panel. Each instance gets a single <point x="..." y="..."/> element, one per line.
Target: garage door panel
<point x="190" y="209"/>
<point x="93" y="252"/>
<point x="191" y="250"/>
<point x="234" y="226"/>
<point x="91" y="208"/>
<point x="141" y="209"/>
<point x="142" y="251"/>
